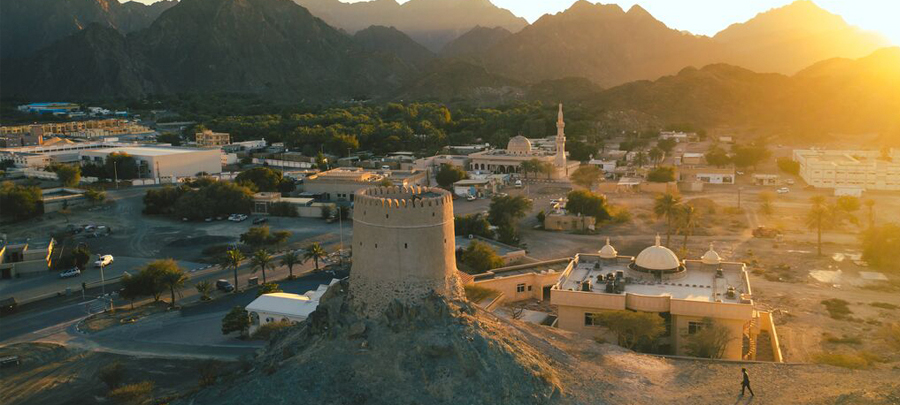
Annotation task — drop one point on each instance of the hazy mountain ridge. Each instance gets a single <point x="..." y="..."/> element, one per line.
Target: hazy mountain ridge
<point x="432" y="23"/>
<point x="29" y="25"/>
<point x="477" y="40"/>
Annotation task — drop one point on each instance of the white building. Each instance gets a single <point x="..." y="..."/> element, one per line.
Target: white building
<point x="156" y="162"/>
<point x="284" y="307"/>
<point x="850" y="169"/>
<point x="608" y="165"/>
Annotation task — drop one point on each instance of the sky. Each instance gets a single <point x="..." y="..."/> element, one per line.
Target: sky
<point x="707" y="17"/>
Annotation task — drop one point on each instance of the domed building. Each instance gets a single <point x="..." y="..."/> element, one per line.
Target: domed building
<point x="686" y="293"/>
<point x="607" y="251"/>
<point x="550" y="150"/>
<point x="657" y="259"/>
<point x="518" y="145"/>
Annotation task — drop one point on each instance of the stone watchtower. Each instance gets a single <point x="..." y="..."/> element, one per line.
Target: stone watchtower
<point x="403" y="247"/>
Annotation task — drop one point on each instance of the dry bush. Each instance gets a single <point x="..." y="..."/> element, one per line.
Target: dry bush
<point x="837" y="308"/>
<point x="477" y="293"/>
<point x="268" y="330"/>
<point x="133" y="394"/>
<point x="856" y="361"/>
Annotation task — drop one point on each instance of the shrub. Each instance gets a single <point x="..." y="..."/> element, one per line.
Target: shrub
<point x="621" y="215"/>
<point x="112" y="374"/>
<point x="858" y="360"/>
<point x="268" y="330"/>
<point x="884" y="305"/>
<point x="787" y="165"/>
<point x="480" y="257"/>
<point x="477" y="293"/>
<point x="268" y="288"/>
<point x="208" y="372"/>
<point x="710" y="341"/>
<point x="138" y="393"/>
<point x="837" y="308"/>
<point x="662" y="174"/>
<point x="849" y="340"/>
<point x="282" y="209"/>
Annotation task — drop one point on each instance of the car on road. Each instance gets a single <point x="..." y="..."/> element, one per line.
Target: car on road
<point x="260" y="220"/>
<point x="237" y="217"/>
<point x="104" y="261"/>
<point x="783" y="190"/>
<point x="470" y="198"/>
<point x="224" y="285"/>
<point x="208" y="219"/>
<point x="73" y="272"/>
<point x="518" y="183"/>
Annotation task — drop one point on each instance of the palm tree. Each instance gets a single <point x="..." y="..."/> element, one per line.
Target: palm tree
<point x="688" y="217"/>
<point x="204" y="288"/>
<point x="315" y="252"/>
<point x="261" y="260"/>
<point x="817" y="218"/>
<point x="656" y="155"/>
<point x="666" y="206"/>
<point x="290" y="259"/>
<point x="233" y="259"/>
<point x="173" y="278"/>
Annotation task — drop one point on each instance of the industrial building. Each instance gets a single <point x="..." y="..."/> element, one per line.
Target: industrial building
<point x="157" y="162"/>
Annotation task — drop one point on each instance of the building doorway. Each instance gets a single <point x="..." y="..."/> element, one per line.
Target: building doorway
<point x="546" y="293"/>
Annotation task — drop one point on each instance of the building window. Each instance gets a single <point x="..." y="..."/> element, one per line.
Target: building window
<point x="405" y="246"/>
<point x="590" y="319"/>
<point x="694" y="327"/>
<point x="520" y="288"/>
<point x="529" y="288"/>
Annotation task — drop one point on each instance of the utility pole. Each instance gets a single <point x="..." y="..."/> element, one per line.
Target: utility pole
<point x="116" y="173"/>
<point x="341" y="231"/>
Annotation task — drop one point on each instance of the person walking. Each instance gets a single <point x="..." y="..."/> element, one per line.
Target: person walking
<point x="745" y="384"/>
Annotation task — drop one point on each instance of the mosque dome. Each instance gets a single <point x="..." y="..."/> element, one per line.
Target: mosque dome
<point x="657" y="258"/>
<point x="711" y="257"/>
<point x="518" y="145"/>
<point x="607" y="251"/>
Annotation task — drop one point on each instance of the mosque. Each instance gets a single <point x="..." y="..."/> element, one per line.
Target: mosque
<point x="521" y="149"/>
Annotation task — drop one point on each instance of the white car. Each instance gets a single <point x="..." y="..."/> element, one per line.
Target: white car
<point x="783" y="190"/>
<point x="470" y="198"/>
<point x="518" y="183"/>
<point x="73" y="272"/>
<point x="104" y="261"/>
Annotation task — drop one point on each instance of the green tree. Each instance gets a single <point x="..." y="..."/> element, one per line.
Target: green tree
<point x="95" y="196"/>
<point x="505" y="211"/>
<point x="750" y="155"/>
<point x="232" y="260"/>
<point x="709" y="341"/>
<point x="160" y="275"/>
<point x="632" y="328"/>
<point x="236" y="320"/>
<point x="536" y="166"/>
<point x="290" y="259"/>
<point x="587" y="176"/>
<point x="661" y="174"/>
<point x="132" y="288"/>
<point x="279" y="238"/>
<point x="81" y="255"/>
<point x="172" y="277"/>
<point x="69" y="175"/>
<point x="666" y="206"/>
<point x="204" y="288"/>
<point x="268" y="288"/>
<point x="881" y="246"/>
<point x="20" y="202"/>
<point x="849" y="205"/>
<point x="121" y="165"/>
<point x="449" y="174"/>
<point x="787" y="165"/>
<point x="473" y="224"/>
<point x="170" y="138"/>
<point x="541" y="217"/>
<point x="717" y="156"/>
<point x="640" y="158"/>
<point x="656" y="154"/>
<point x="261" y="260"/>
<point x="257" y="236"/>
<point x="586" y="203"/>
<point x="262" y="178"/>
<point x="315" y="252"/>
<point x="666" y="145"/>
<point x="480" y="257"/>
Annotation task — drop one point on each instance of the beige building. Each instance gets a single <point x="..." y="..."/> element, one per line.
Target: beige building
<point x="562" y="221"/>
<point x="158" y="161"/>
<point x="28" y="257"/>
<point x="305" y="207"/>
<point x="854" y="169"/>
<point x="207" y="139"/>
<point x="521" y="149"/>
<point x="683" y="293"/>
<point x="342" y="183"/>
<point x="403" y="247"/>
<point x="707" y="174"/>
<point x="522" y="282"/>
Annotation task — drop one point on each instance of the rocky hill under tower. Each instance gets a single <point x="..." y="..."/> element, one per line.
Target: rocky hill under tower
<point x="442" y="352"/>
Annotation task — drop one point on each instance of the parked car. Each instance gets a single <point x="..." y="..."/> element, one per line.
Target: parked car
<point x="518" y="183"/>
<point x="783" y="190"/>
<point x="224" y="285"/>
<point x="260" y="220"/>
<point x="790" y="182"/>
<point x="104" y="261"/>
<point x="209" y="219"/>
<point x="502" y="195"/>
<point x="73" y="272"/>
<point x="470" y="198"/>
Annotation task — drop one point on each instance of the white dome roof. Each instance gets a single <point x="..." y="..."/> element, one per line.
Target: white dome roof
<point x="657" y="257"/>
<point x="711" y="257"/>
<point x="607" y="251"/>
<point x="519" y="145"/>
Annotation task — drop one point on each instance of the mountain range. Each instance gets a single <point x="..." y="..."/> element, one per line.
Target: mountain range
<point x="432" y="23"/>
<point x="280" y="49"/>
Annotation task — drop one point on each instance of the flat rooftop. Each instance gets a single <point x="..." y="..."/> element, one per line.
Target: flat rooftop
<point x="463" y="242"/>
<point x="696" y="283"/>
<point x="147" y="151"/>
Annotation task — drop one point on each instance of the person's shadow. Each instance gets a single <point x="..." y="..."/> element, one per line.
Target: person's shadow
<point x="744" y="399"/>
